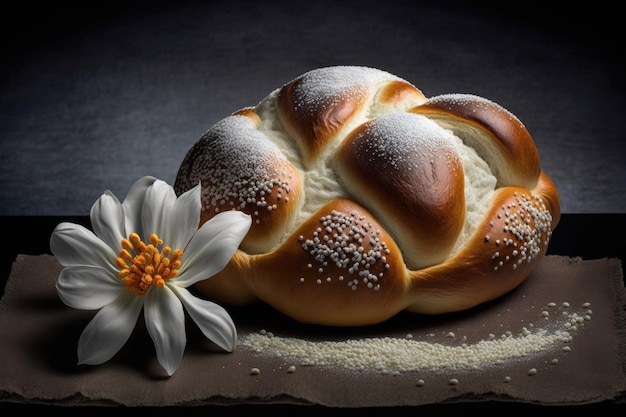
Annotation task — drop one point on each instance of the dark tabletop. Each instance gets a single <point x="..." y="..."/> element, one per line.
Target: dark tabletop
<point x="589" y="236"/>
<point x="97" y="94"/>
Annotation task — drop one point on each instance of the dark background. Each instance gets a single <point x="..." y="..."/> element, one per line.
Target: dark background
<point x="97" y="94"/>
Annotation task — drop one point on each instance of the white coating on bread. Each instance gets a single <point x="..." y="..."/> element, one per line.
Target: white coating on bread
<point x="368" y="198"/>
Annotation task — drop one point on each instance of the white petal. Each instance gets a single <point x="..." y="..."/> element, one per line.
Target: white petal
<point x="88" y="287"/>
<point x="165" y="320"/>
<point x="107" y="220"/>
<point x="109" y="330"/>
<point x="212" y="247"/>
<point x="156" y="210"/>
<point x="215" y="323"/>
<point x="184" y="219"/>
<point x="73" y="244"/>
<point x="134" y="201"/>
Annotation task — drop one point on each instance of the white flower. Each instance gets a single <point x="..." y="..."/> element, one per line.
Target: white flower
<point x="144" y="253"/>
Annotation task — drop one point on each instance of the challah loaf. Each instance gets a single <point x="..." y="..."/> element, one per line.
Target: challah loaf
<point x="369" y="199"/>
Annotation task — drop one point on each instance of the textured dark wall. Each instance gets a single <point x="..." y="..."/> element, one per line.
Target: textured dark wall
<point x="94" y="97"/>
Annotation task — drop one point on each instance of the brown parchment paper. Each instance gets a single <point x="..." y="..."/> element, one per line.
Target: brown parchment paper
<point x="40" y="335"/>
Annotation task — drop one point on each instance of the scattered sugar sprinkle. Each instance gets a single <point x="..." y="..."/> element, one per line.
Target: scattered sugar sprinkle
<point x="395" y="355"/>
<point x="348" y="242"/>
<point x="255" y="371"/>
<point x="325" y="87"/>
<point x="237" y="156"/>
<point x="528" y="222"/>
<point x="412" y="134"/>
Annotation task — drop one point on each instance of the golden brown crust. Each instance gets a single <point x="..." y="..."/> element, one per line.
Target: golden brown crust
<point x="400" y="91"/>
<point x="318" y="105"/>
<point x="312" y="122"/>
<point x="340" y="267"/>
<point x="496" y="134"/>
<point x="240" y="169"/>
<point x="503" y="250"/>
<point x="550" y="195"/>
<point x="394" y="201"/>
<point x="397" y="163"/>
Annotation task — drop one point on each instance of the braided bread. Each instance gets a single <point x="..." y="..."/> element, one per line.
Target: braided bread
<point x="369" y="198"/>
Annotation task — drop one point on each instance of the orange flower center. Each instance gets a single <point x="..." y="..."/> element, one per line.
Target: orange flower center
<point x="143" y="265"/>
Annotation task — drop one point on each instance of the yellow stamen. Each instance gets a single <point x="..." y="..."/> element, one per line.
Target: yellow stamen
<point x="142" y="266"/>
<point x="126" y="244"/>
<point x="120" y="262"/>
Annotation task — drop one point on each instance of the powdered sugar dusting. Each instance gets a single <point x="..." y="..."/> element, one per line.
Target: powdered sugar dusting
<point x="461" y="100"/>
<point x="319" y="181"/>
<point x="241" y="163"/>
<point x="245" y="159"/>
<point x="396" y="137"/>
<point x="326" y="87"/>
